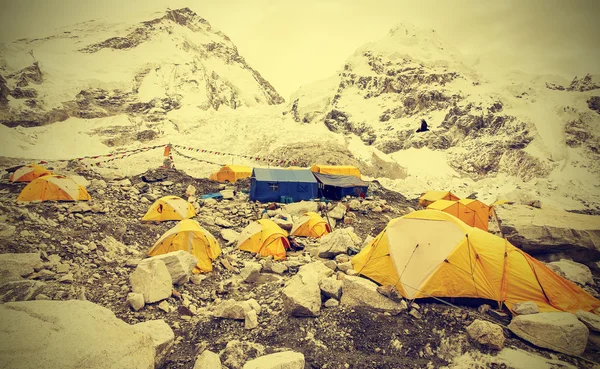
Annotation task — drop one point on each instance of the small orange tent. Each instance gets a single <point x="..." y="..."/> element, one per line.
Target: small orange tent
<point x="472" y="212"/>
<point x="231" y="173"/>
<point x="53" y="188"/>
<point x="432" y="253"/>
<point x="311" y="224"/>
<point x="344" y="170"/>
<point x="432" y="196"/>
<point x="169" y="208"/>
<point x="28" y="173"/>
<point x="265" y="238"/>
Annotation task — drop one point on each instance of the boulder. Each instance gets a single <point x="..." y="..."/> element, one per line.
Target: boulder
<point x="335" y="243"/>
<point x="331" y="303"/>
<point x="298" y="209"/>
<point x="250" y="272"/>
<point x="302" y="296"/>
<point x="151" y="278"/>
<point x="223" y="222"/>
<point x="6" y="231"/>
<point x="594" y="341"/>
<point x="65" y="334"/>
<point x="135" y="300"/>
<point x="190" y="191"/>
<point x="486" y="333"/>
<point x="550" y="230"/>
<point x="279" y="360"/>
<point x="575" y="272"/>
<point x="354" y="205"/>
<point x="112" y="247"/>
<point x="251" y="320"/>
<point x="229" y="235"/>
<point x="179" y="263"/>
<point x="592" y="321"/>
<point x="284" y="223"/>
<point x="14" y="266"/>
<point x="337" y="212"/>
<point x="561" y="332"/>
<point x="232" y="309"/>
<point x="357" y="291"/>
<point x="208" y="360"/>
<point x="162" y="338"/>
<point x="236" y="353"/>
<point x="331" y="287"/>
<point x="345" y="267"/>
<point x="526" y="308"/>
<point x="23" y="290"/>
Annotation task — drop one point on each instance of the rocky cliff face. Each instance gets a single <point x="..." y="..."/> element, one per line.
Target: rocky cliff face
<point x="387" y="87"/>
<point x="145" y="69"/>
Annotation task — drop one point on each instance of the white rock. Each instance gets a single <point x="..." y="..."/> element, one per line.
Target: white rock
<point x="232" y="309"/>
<point x="190" y="191"/>
<point x="208" y="360"/>
<point x="331" y="287"/>
<point x="65" y="334"/>
<point x="344" y="267"/>
<point x="278" y="268"/>
<point x="164" y="306"/>
<point x="592" y="321"/>
<point x="112" y="247"/>
<point x="229" y="235"/>
<point x="179" y="263"/>
<point x="279" y="360"/>
<point x="227" y="194"/>
<point x="302" y="296"/>
<point x="357" y="291"/>
<point x="250" y="272"/>
<point x="354" y="205"/>
<point x="298" y="209"/>
<point x="331" y="303"/>
<point x="525" y="308"/>
<point x="135" y="300"/>
<point x="284" y="223"/>
<point x="162" y="337"/>
<point x="561" y="332"/>
<point x="151" y="278"/>
<point x="251" y="320"/>
<point x="486" y="333"/>
<point x="337" y="212"/>
<point x="223" y="222"/>
<point x="14" y="266"/>
<point x="573" y="271"/>
<point x="337" y="242"/>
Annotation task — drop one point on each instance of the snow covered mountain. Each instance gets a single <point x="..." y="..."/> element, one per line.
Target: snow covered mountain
<point x="142" y="68"/>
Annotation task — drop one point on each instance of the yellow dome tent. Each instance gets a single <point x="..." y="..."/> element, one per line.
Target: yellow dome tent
<point x="189" y="236"/>
<point x="344" y="170"/>
<point x="28" y="173"/>
<point x="432" y="196"/>
<point x="432" y="253"/>
<point x="472" y="212"/>
<point x="53" y="188"/>
<point x="231" y="173"/>
<point x="169" y="208"/>
<point x="264" y="237"/>
<point x="311" y="224"/>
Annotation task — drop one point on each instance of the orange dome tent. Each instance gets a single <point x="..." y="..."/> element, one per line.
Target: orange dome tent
<point x="432" y="196"/>
<point x="169" y="208"/>
<point x="472" y="212"/>
<point x="189" y="236"/>
<point x="311" y="225"/>
<point x="28" y="173"/>
<point x="53" y="188"/>
<point x="265" y="238"/>
<point x="231" y="173"/>
<point x="432" y="253"/>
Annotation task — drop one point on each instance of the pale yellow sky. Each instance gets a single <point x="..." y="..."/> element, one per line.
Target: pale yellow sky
<point x="292" y="43"/>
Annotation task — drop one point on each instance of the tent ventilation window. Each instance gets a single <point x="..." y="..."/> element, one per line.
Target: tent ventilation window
<point x="274" y="187"/>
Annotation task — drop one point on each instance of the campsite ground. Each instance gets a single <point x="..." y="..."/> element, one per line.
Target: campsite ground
<point x="341" y="337"/>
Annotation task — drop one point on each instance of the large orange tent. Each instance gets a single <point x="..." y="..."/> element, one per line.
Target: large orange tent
<point x="231" y="173"/>
<point x="472" y="212"/>
<point x="28" y="173"/>
<point x="169" y="208"/>
<point x="189" y="236"/>
<point x="265" y="238"/>
<point x="53" y="188"/>
<point x="430" y="253"/>
<point x="311" y="224"/>
<point x="433" y="196"/>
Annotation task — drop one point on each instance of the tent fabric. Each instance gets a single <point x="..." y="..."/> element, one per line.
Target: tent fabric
<point x="169" y="208"/>
<point x="432" y="253"/>
<point x="28" y="173"/>
<point x="189" y="236"/>
<point x="472" y="212"/>
<point x="432" y="196"/>
<point x="265" y="238"/>
<point x="231" y="173"/>
<point x="346" y="170"/>
<point x="53" y="188"/>
<point x="336" y="187"/>
<point x="311" y="224"/>
<point x="271" y="184"/>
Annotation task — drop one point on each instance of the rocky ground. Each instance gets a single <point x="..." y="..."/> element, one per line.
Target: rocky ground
<point x="88" y="251"/>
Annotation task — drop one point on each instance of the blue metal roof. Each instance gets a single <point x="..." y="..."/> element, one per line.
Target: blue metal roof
<point x="283" y="175"/>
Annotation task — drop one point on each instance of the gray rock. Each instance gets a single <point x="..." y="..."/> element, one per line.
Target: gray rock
<point x="573" y="271"/>
<point x="227" y="194"/>
<point x="151" y="278"/>
<point x="23" y="290"/>
<point x="162" y="337"/>
<point x="65" y="334"/>
<point x="335" y="243"/>
<point x="6" y="231"/>
<point x="236" y="353"/>
<point x="331" y="287"/>
<point x="344" y="267"/>
<point x="284" y="223"/>
<point x="561" y="332"/>
<point x="232" y="309"/>
<point x="592" y="321"/>
<point x="331" y="303"/>
<point x="251" y="320"/>
<point x="526" y="308"/>
<point x="357" y="291"/>
<point x="180" y="265"/>
<point x="250" y="272"/>
<point x="594" y="341"/>
<point x="208" y="360"/>
<point x="337" y="212"/>
<point x="223" y="222"/>
<point x="229" y="235"/>
<point x="278" y="268"/>
<point x="14" y="266"/>
<point x="135" y="300"/>
<point x="298" y="209"/>
<point x="486" y="333"/>
<point x="354" y="205"/>
<point x="302" y="296"/>
<point x="279" y="360"/>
